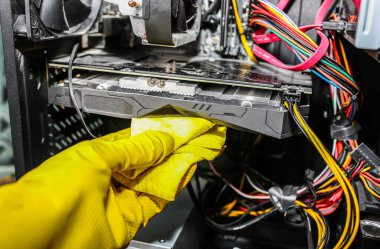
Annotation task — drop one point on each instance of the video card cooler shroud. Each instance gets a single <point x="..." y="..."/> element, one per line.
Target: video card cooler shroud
<point x="218" y="91"/>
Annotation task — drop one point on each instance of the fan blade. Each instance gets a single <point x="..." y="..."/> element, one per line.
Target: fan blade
<point x="76" y="11"/>
<point x="191" y="7"/>
<point x="52" y="15"/>
<point x="179" y="21"/>
<point x="175" y="6"/>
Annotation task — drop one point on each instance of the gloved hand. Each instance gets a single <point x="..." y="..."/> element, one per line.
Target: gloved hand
<point x="70" y="201"/>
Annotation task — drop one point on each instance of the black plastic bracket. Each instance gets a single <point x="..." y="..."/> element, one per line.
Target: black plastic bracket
<point x="283" y="198"/>
<point x="342" y="129"/>
<point x="159" y="25"/>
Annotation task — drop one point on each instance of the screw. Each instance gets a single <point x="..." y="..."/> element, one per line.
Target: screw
<point x="144" y="38"/>
<point x="246" y="104"/>
<point x="133" y="4"/>
<point x="162" y="241"/>
<point x="161" y="84"/>
<point x="152" y="82"/>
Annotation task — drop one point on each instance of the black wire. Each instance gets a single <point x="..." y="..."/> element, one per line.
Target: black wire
<point x="211" y="222"/>
<point x="326" y="236"/>
<point x="341" y="159"/>
<point x="296" y="38"/>
<point x="71" y="89"/>
<point x="307" y="46"/>
<point x="295" y="119"/>
<point x="342" y="156"/>
<point x="238" y="223"/>
<point x="314" y="194"/>
<point x="352" y="170"/>
<point x="320" y="65"/>
<point x="310" y="242"/>
<point x="219" y="196"/>
<point x="197" y="184"/>
<point x="212" y="9"/>
<point x="349" y="88"/>
<point x="234" y="227"/>
<point x="324" y="147"/>
<point x="331" y="10"/>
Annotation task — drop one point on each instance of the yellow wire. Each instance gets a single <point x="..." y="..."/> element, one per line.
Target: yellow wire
<point x="346" y="186"/>
<point x="341" y="178"/>
<point x="346" y="161"/>
<point x="243" y="38"/>
<point x="275" y="12"/>
<point x="318" y="221"/>
<point x="369" y="189"/>
<point x="344" y="57"/>
<point x="228" y="207"/>
<point x="312" y="215"/>
<point x="343" y="181"/>
<point x="334" y="178"/>
<point x="279" y="15"/>
<point x="326" y="190"/>
<point x="366" y="169"/>
<point x="323" y="229"/>
<point x="328" y="182"/>
<point x="236" y="213"/>
<point x="356" y="143"/>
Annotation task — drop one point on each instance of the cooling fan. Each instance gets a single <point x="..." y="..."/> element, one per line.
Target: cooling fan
<point x="49" y="19"/>
<point x="163" y="22"/>
<point x="184" y="13"/>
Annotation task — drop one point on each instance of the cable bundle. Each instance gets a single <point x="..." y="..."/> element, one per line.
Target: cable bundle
<point x="344" y="186"/>
<point x="311" y="55"/>
<point x="249" y="204"/>
<point x="333" y="186"/>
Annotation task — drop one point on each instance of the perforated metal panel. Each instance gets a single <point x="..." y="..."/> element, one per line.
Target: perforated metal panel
<point x="66" y="128"/>
<point x="6" y="153"/>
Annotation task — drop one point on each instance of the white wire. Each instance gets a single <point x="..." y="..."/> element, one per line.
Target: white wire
<point x="238" y="191"/>
<point x="255" y="187"/>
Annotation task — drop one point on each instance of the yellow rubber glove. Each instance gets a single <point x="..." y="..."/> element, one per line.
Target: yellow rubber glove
<point x="70" y="202"/>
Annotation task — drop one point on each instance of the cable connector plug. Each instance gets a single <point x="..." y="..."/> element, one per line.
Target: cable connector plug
<point x="339" y="26"/>
<point x="362" y="152"/>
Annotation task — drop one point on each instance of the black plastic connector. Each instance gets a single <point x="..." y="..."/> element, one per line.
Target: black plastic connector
<point x="369" y="207"/>
<point x="342" y="129"/>
<point x="362" y="152"/>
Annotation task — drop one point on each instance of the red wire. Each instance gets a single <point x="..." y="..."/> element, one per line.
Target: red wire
<point x="372" y="181"/>
<point x="357" y="4"/>
<point x="371" y="176"/>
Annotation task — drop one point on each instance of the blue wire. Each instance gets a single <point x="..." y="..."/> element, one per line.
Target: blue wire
<point x="325" y="79"/>
<point x="306" y="54"/>
<point x="353" y="112"/>
<point x="312" y="70"/>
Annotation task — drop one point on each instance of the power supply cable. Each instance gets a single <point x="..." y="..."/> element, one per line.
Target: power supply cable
<point x="241" y="31"/>
<point x="352" y="206"/>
